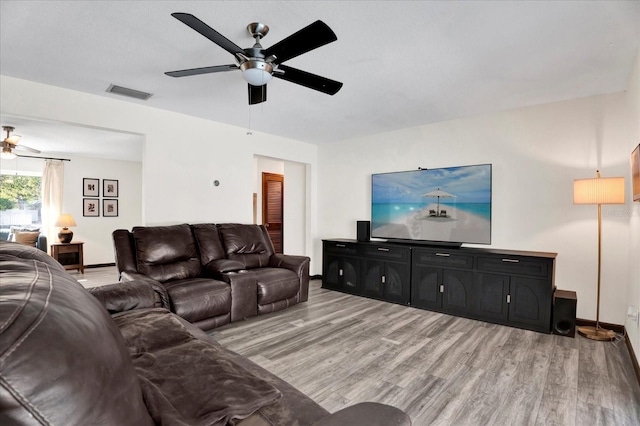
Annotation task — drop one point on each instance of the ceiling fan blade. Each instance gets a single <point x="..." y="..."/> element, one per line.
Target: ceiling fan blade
<point x="203" y="70"/>
<point x="257" y="94"/>
<point x="306" y="79"/>
<point x="309" y="38"/>
<point x="26" y="148"/>
<point x="208" y="32"/>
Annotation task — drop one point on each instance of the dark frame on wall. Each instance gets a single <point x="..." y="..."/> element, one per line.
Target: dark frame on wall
<point x="110" y="188"/>
<point x="109" y="207"/>
<point x="90" y="207"/>
<point x="90" y="187"/>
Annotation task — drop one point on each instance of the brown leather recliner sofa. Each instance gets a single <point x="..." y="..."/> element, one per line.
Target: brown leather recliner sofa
<point x="213" y="274"/>
<point x="116" y="357"/>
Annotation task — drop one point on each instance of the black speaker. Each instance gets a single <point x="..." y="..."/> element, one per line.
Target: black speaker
<point x="364" y="230"/>
<point x="564" y="313"/>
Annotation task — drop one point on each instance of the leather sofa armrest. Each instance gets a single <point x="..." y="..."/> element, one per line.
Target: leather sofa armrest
<point x="244" y="294"/>
<point x="157" y="287"/>
<point x="297" y="264"/>
<point x="366" y="414"/>
<point x="221" y="266"/>
<point x="287" y="261"/>
<point x="128" y="295"/>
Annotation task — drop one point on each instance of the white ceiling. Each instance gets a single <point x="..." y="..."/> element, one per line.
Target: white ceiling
<point x="403" y="63"/>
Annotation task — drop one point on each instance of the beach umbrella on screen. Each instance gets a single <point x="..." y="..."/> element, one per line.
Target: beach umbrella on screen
<point x="438" y="193"/>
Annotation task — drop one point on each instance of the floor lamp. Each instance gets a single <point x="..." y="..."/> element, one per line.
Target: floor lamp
<point x="598" y="191"/>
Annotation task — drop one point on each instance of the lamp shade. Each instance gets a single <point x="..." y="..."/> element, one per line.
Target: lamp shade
<point x="598" y="190"/>
<point x="65" y="220"/>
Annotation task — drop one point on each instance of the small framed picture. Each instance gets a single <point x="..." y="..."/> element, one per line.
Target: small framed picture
<point x="109" y="208"/>
<point x="90" y="187"/>
<point x="90" y="207"/>
<point x="109" y="188"/>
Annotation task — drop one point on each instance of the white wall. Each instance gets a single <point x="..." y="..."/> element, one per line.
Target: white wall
<point x="536" y="154"/>
<point x="633" y="294"/>
<point x="182" y="155"/>
<point x="96" y="231"/>
<point x="295" y="206"/>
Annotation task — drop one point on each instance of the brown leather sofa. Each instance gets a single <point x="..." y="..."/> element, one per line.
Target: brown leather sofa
<point x="213" y="274"/>
<point x="64" y="360"/>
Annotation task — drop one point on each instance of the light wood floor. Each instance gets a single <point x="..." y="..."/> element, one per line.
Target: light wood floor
<point x="442" y="370"/>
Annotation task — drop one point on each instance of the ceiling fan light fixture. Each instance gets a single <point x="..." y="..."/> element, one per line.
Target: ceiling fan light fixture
<point x="257" y="72"/>
<point x="7" y="154"/>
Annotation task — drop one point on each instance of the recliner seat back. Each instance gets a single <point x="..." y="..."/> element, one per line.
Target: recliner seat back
<point x="166" y="253"/>
<point x="208" y="240"/>
<point x="249" y="244"/>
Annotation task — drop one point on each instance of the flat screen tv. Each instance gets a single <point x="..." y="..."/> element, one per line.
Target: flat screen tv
<point x="446" y="206"/>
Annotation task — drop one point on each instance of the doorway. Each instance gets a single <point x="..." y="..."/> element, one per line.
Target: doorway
<point x="273" y="208"/>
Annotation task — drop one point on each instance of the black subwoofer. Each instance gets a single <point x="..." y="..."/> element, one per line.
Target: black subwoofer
<point x="564" y="313"/>
<point x="363" y="231"/>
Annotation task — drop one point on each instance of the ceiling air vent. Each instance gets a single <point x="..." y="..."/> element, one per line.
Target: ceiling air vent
<point x="119" y="90"/>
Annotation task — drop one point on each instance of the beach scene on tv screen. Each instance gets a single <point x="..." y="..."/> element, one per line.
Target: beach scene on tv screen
<point x="450" y="204"/>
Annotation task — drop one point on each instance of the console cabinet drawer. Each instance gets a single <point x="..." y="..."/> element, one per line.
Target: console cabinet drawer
<point x="395" y="254"/>
<point x="341" y="248"/>
<point x="442" y="258"/>
<point x="514" y="265"/>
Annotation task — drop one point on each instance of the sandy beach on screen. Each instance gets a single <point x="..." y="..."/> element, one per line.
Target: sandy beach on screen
<point x="458" y="226"/>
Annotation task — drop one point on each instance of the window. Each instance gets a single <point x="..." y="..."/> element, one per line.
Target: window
<point x="20" y="201"/>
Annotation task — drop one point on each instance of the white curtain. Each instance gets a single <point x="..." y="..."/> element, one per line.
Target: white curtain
<point x="52" y="191"/>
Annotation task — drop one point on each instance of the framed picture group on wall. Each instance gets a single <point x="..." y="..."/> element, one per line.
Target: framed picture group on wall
<point x="91" y="204"/>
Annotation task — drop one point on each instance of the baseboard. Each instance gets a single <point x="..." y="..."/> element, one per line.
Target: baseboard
<point x="614" y="327"/>
<point x="315" y="277"/>
<point x="621" y="330"/>
<point x="99" y="265"/>
<point x="634" y="360"/>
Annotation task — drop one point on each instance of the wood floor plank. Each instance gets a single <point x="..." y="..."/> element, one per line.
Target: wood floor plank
<point x="452" y="397"/>
<point x="489" y="393"/>
<point x="593" y="377"/>
<point x="522" y="401"/>
<point x="590" y="414"/>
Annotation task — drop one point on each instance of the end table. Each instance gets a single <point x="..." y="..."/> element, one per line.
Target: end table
<point x="69" y="255"/>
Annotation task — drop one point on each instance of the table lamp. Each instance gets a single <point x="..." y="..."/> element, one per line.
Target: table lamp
<point x="598" y="191"/>
<point x="65" y="220"/>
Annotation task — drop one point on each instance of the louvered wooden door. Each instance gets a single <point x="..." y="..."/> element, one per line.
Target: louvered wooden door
<point x="272" y="207"/>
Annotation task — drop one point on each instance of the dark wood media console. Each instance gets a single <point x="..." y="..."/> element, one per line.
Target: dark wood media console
<point x="506" y="287"/>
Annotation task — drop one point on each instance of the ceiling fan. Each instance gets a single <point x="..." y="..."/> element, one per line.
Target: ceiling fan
<point x="10" y="143"/>
<point x="259" y="65"/>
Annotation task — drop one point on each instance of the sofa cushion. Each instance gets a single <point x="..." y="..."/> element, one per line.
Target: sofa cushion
<point x="247" y="244"/>
<point x="214" y="392"/>
<point x="221" y="266"/>
<point x="166" y="252"/>
<point x="14" y="229"/>
<point x="63" y="358"/>
<point x="196" y="299"/>
<point x="209" y="244"/>
<point x="29" y="238"/>
<point x="276" y="284"/>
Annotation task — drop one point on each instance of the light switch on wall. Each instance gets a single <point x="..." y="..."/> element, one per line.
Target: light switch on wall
<point x="632" y="313"/>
